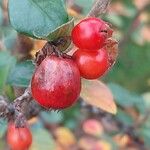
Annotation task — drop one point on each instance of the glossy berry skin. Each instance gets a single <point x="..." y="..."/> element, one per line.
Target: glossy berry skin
<point x="18" y="138"/>
<point x="91" y="65"/>
<point x="91" y="34"/>
<point x="56" y="83"/>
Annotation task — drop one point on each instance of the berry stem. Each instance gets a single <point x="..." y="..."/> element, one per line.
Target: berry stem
<point x="98" y="8"/>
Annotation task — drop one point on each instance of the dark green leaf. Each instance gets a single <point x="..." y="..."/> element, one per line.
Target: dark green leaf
<point x="124" y="117"/>
<point x="21" y="74"/>
<point x="71" y="124"/>
<point x="36" y="18"/>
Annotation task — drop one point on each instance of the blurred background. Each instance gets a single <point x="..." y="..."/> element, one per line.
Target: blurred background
<point x="83" y="127"/>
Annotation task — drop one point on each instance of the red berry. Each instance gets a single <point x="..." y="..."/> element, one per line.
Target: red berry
<point x="18" y="138"/>
<point x="56" y="83"/>
<point x="91" y="65"/>
<point x="91" y="33"/>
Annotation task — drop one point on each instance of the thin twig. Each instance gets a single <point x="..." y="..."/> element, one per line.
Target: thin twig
<point x="99" y="7"/>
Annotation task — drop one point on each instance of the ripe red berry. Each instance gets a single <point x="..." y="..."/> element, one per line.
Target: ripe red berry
<point x="56" y="83"/>
<point x="18" y="138"/>
<point x="91" y="33"/>
<point x="91" y="65"/>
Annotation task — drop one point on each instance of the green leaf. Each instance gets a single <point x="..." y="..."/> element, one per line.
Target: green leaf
<point x="42" y="140"/>
<point x="9" y="37"/>
<point x="2" y="144"/>
<point x="124" y="117"/>
<point x="87" y="7"/>
<point x="1" y="3"/>
<point x="128" y="70"/>
<point x="115" y="19"/>
<point x="6" y="64"/>
<point x="125" y="98"/>
<point x="146" y="97"/>
<point x="21" y="74"/>
<point x="3" y="126"/>
<point x="9" y="91"/>
<point x="71" y="124"/>
<point x="145" y="134"/>
<point x="52" y="117"/>
<point x="1" y="16"/>
<point x="36" y="18"/>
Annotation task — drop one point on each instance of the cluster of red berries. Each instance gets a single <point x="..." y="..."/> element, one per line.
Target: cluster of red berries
<point x="56" y="83"/>
<point x="90" y="36"/>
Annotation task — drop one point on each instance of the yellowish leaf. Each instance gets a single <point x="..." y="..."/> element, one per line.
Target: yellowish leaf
<point x="65" y="137"/>
<point x="96" y="93"/>
<point x="122" y="140"/>
<point x="103" y="145"/>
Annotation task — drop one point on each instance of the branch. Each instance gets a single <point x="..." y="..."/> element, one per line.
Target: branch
<point x="16" y="110"/>
<point x="24" y="98"/>
<point x="99" y="7"/>
<point x="3" y="107"/>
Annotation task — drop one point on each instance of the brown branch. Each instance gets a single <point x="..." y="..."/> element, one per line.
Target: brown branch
<point x="24" y="99"/>
<point x="3" y="106"/>
<point x="5" y="12"/>
<point x="16" y="110"/>
<point x="99" y="7"/>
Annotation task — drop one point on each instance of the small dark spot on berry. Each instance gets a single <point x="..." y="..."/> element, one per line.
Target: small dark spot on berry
<point x="105" y="31"/>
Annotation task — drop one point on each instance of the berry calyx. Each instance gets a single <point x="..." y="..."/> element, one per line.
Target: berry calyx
<point x="91" y="34"/>
<point x="91" y="65"/>
<point x="56" y="83"/>
<point x="18" y="138"/>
